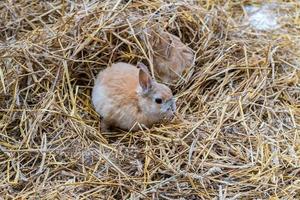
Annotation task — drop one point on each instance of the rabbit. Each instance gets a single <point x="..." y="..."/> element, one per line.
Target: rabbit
<point x="170" y="56"/>
<point x="125" y="95"/>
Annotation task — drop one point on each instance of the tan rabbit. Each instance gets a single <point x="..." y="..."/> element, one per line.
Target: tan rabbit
<point x="125" y="95"/>
<point x="170" y="56"/>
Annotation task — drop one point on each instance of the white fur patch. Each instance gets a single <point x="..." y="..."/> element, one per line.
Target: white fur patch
<point x="101" y="102"/>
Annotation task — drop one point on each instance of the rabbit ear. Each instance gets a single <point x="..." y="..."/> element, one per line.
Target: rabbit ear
<point x="141" y="65"/>
<point x="167" y="44"/>
<point x="168" y="49"/>
<point x="145" y="80"/>
<point x="163" y="44"/>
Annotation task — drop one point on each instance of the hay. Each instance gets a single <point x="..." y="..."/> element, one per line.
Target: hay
<point x="236" y="135"/>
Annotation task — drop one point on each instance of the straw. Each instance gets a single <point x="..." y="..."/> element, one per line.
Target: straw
<point x="236" y="131"/>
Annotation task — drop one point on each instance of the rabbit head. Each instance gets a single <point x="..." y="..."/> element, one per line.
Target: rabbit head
<point x="170" y="56"/>
<point x="155" y="99"/>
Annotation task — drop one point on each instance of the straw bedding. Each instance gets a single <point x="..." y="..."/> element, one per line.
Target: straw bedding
<point x="236" y="134"/>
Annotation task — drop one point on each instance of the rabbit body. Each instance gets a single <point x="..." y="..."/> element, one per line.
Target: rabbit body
<point x="124" y="95"/>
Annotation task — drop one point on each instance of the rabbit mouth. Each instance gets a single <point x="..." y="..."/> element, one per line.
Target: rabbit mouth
<point x="169" y="106"/>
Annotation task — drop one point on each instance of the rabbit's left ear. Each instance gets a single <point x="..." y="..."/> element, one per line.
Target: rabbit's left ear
<point x="145" y="81"/>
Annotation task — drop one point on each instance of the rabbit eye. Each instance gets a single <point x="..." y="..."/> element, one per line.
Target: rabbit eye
<point x="158" y="100"/>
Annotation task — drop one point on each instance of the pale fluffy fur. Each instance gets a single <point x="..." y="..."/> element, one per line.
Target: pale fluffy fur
<point x="121" y="101"/>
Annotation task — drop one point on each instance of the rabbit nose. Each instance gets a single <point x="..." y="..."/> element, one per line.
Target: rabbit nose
<point x="172" y="108"/>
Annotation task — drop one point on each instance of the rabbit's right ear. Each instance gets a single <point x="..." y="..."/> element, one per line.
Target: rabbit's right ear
<point x="141" y="65"/>
<point x="145" y="80"/>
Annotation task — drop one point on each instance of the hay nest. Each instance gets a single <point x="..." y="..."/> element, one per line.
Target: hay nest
<point x="237" y="131"/>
